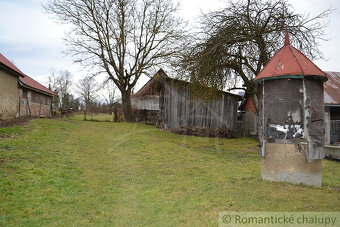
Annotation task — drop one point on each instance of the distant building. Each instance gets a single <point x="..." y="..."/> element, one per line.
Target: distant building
<point x="170" y="102"/>
<point x="20" y="95"/>
<point x="249" y="117"/>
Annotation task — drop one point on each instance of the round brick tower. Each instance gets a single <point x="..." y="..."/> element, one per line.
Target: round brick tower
<point x="291" y="117"/>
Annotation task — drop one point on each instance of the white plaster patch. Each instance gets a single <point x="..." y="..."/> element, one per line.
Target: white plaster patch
<point x="296" y="116"/>
<point x="285" y="128"/>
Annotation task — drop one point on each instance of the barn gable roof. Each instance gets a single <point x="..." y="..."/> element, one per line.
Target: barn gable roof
<point x="159" y="77"/>
<point x="289" y="62"/>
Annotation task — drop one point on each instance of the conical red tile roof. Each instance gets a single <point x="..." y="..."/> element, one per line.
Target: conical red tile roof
<point x="289" y="62"/>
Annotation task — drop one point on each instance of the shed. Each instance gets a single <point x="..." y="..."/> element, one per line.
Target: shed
<point x="177" y="107"/>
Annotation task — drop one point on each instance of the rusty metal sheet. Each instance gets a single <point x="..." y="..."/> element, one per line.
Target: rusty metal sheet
<point x="332" y="89"/>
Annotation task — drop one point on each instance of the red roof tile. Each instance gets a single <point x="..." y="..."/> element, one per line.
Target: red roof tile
<point x="26" y="80"/>
<point x="4" y="61"/>
<point x="288" y="61"/>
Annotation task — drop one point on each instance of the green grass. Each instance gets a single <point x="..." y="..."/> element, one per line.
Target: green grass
<point x="11" y="131"/>
<point x="95" y="117"/>
<point x="73" y="172"/>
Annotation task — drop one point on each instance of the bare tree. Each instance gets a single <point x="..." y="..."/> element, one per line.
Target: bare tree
<point x="61" y="82"/>
<point x="236" y="42"/>
<point x="109" y="90"/>
<point x="87" y="89"/>
<point x="123" y="38"/>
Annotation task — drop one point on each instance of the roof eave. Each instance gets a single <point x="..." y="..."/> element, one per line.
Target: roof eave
<point x="37" y="90"/>
<point x="322" y="78"/>
<point x="11" y="70"/>
<point x="332" y="105"/>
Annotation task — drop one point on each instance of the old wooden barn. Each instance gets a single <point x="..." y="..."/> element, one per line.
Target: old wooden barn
<point x="169" y="103"/>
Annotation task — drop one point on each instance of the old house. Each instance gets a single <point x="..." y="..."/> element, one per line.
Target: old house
<point x="291" y="117"/>
<point x="20" y="95"/>
<point x="176" y="107"/>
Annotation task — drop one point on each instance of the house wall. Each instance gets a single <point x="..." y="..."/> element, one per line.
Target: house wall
<point x="179" y="109"/>
<point x="34" y="104"/>
<point x="9" y="93"/>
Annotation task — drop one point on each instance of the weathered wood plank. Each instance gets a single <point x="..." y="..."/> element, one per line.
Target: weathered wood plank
<point x="178" y="109"/>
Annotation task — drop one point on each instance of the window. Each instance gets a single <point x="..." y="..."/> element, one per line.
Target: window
<point x="24" y="93"/>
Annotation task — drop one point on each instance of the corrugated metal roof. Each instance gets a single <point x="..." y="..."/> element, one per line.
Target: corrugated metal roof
<point x="24" y="79"/>
<point x="332" y="89"/>
<point x="288" y="61"/>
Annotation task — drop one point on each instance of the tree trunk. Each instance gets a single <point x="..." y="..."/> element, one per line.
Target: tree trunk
<point x="126" y="95"/>
<point x="115" y="113"/>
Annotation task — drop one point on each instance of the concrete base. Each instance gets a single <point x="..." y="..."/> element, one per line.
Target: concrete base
<point x="287" y="163"/>
<point x="332" y="152"/>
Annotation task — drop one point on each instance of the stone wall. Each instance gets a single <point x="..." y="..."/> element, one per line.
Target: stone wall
<point x="9" y="95"/>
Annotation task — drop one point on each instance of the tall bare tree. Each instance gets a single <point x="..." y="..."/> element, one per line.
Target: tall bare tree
<point x="123" y="38"/>
<point x="87" y="88"/>
<point x="236" y="42"/>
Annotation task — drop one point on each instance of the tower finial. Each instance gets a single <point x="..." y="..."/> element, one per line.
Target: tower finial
<point x="287" y="42"/>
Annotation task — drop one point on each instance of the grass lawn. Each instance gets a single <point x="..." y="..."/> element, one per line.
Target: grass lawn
<point x="74" y="172"/>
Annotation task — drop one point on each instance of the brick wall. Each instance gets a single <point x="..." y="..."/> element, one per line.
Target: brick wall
<point x="249" y="105"/>
<point x="34" y="104"/>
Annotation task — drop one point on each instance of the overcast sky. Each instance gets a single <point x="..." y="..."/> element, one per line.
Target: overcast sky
<point x="31" y="40"/>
